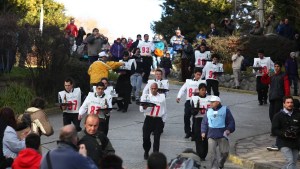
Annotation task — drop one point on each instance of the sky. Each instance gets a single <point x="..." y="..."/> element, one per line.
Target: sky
<point x="125" y="18"/>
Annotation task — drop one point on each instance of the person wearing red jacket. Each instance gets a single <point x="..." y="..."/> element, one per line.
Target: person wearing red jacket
<point x="279" y="87"/>
<point x="29" y="158"/>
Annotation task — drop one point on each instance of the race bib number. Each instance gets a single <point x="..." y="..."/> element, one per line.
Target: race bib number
<point x="72" y="105"/>
<point x="95" y="110"/>
<point x="145" y="50"/>
<point x="191" y="92"/>
<point x="211" y="75"/>
<point x="201" y="62"/>
<point x="155" y="111"/>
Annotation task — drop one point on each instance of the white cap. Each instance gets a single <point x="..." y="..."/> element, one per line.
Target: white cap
<point x="215" y="99"/>
<point x="101" y="54"/>
<point x="293" y="54"/>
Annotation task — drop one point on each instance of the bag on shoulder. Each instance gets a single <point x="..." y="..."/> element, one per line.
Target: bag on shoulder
<point x="183" y="163"/>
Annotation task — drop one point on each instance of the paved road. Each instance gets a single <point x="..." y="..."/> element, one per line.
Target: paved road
<point x="126" y="128"/>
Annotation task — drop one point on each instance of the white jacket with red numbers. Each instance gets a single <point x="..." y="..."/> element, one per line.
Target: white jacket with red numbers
<point x="199" y="102"/>
<point x="160" y="110"/>
<point x="210" y="68"/>
<point x="189" y="87"/>
<point x="93" y="103"/>
<point x="73" y="97"/>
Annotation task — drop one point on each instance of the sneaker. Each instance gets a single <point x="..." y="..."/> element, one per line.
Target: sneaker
<point x="273" y="148"/>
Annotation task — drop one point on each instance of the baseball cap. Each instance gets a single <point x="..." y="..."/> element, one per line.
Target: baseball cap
<point x="215" y="99"/>
<point x="101" y="54"/>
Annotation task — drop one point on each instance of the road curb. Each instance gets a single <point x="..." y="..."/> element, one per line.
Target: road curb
<point x="248" y="163"/>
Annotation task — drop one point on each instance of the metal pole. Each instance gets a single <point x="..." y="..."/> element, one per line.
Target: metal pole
<point x="42" y="18"/>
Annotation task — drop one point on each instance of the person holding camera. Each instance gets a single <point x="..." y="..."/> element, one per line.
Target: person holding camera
<point x="285" y="126"/>
<point x="95" y="43"/>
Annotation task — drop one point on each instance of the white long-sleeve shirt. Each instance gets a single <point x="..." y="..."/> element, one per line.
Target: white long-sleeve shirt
<point x="201" y="58"/>
<point x="127" y="64"/>
<point x="266" y="63"/>
<point x="73" y="97"/>
<point x="210" y="68"/>
<point x="162" y="84"/>
<point x="160" y="110"/>
<point x="94" y="102"/>
<point x="146" y="48"/>
<point x="189" y="87"/>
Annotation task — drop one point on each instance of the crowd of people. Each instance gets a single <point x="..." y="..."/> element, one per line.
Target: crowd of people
<point x="212" y="122"/>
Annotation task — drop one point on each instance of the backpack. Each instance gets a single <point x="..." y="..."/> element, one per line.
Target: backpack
<point x="184" y="161"/>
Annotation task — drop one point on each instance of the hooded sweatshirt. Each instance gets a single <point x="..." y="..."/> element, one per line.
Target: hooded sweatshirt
<point x="27" y="159"/>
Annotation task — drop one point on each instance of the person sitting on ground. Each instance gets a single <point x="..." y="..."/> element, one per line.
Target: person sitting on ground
<point x="157" y="160"/>
<point x="111" y="161"/>
<point x="29" y="158"/>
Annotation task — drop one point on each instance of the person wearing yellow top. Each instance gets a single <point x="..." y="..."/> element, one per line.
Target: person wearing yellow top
<point x="99" y="69"/>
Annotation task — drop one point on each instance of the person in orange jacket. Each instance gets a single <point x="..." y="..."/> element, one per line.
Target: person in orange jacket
<point x="99" y="69"/>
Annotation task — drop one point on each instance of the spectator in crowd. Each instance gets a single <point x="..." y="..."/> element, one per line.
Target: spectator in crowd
<point x="111" y="161"/>
<point x="157" y="160"/>
<point x="213" y="31"/>
<point x="297" y="41"/>
<point x="136" y="79"/>
<point x="217" y="125"/>
<point x="4" y="161"/>
<point x="285" y="126"/>
<point x="257" y="29"/>
<point x="287" y="31"/>
<point x="117" y="50"/>
<point x="237" y="60"/>
<point x="177" y="41"/>
<point x="96" y="143"/>
<point x="36" y="117"/>
<point x="124" y="43"/>
<point x="135" y="43"/>
<point x="71" y="33"/>
<point x="279" y="29"/>
<point x="270" y="25"/>
<point x="129" y="44"/>
<point x="187" y="55"/>
<point x="13" y="142"/>
<point x="166" y="64"/>
<point x="95" y="43"/>
<point x="200" y="36"/>
<point x="228" y="26"/>
<point x="291" y="69"/>
<point x="65" y="156"/>
<point x="79" y="38"/>
<point x="29" y="158"/>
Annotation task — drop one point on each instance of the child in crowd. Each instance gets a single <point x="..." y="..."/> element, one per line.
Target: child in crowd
<point x="166" y="64"/>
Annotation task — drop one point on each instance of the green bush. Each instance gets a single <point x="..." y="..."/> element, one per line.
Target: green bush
<point x="17" y="97"/>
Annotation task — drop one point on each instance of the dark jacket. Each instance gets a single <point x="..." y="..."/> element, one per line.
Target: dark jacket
<point x="291" y="67"/>
<point x="279" y="86"/>
<point x="97" y="145"/>
<point x="139" y="64"/>
<point x="65" y="156"/>
<point x="117" y="50"/>
<point x="166" y="63"/>
<point x="281" y="123"/>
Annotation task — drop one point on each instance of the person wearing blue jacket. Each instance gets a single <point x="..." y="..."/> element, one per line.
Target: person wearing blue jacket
<point x="217" y="125"/>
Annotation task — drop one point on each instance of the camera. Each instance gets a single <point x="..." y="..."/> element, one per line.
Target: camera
<point x="292" y="132"/>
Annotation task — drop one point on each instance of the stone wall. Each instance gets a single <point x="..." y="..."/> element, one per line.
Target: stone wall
<point x="248" y="82"/>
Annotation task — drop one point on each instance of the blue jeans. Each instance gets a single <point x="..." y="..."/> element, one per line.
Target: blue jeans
<point x="291" y="156"/>
<point x="136" y="83"/>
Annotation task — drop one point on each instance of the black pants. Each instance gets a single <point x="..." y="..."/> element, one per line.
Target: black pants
<point x="262" y="90"/>
<point x="147" y="67"/>
<point x="201" y="145"/>
<point x="187" y="118"/>
<point x="214" y="85"/>
<point x="126" y="95"/>
<point x="103" y="125"/>
<point x="185" y="73"/>
<point x="69" y="118"/>
<point x="275" y="106"/>
<point x="155" y="125"/>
